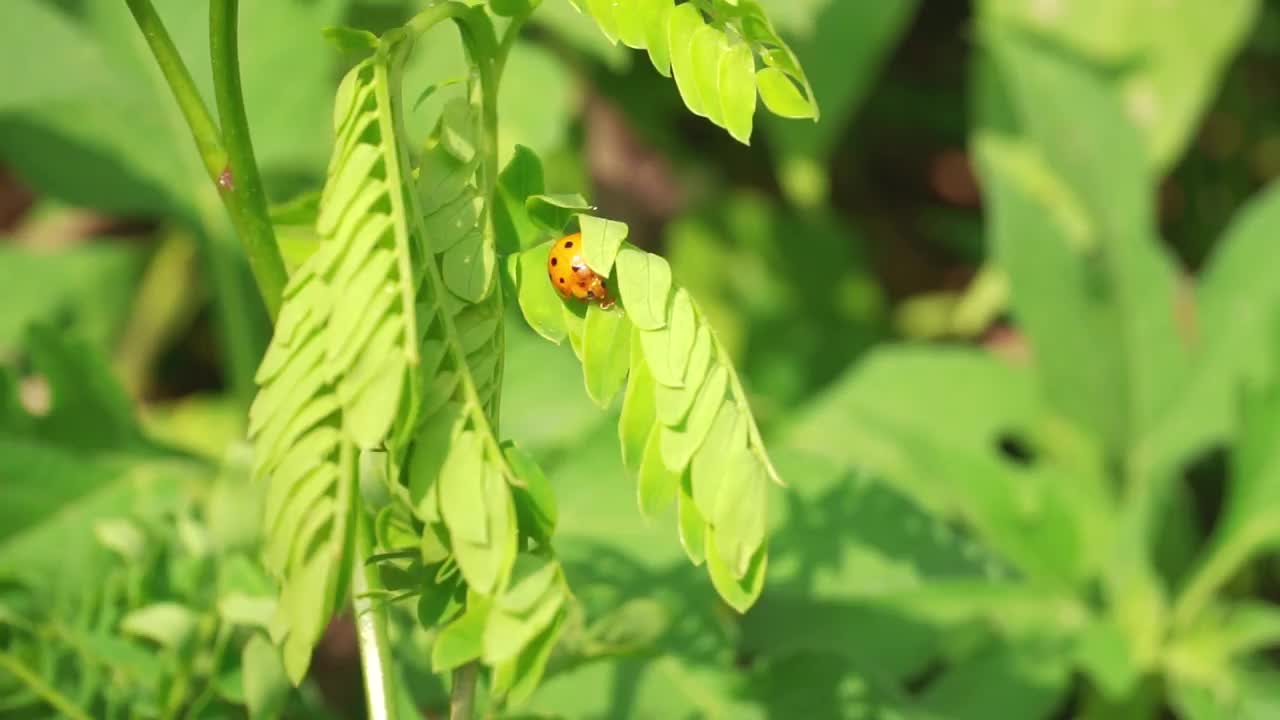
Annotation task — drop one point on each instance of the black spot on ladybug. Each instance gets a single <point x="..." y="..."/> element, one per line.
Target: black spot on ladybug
<point x="569" y="244"/>
<point x="554" y="262"/>
<point x="561" y="281"/>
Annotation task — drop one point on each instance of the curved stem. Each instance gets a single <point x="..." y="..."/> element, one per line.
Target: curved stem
<point x="509" y="37"/>
<point x="239" y="182"/>
<point x="462" y="696"/>
<point x="371" y="626"/>
<point x="203" y="129"/>
<point x="249" y="218"/>
<point x="37" y="685"/>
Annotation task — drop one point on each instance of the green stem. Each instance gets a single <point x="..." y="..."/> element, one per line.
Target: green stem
<point x="37" y="685"/>
<point x="462" y="697"/>
<point x="241" y="186"/>
<point x="224" y="164"/>
<point x="203" y="129"/>
<point x="371" y="626"/>
<point x="509" y="37"/>
<point x="1223" y="562"/>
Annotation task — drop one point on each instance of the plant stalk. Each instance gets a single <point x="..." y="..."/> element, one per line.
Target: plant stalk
<point x="37" y="685"/>
<point x="239" y="182"/>
<point x="224" y="159"/>
<point x="463" y="695"/>
<point x="203" y="129"/>
<point x="370" y="610"/>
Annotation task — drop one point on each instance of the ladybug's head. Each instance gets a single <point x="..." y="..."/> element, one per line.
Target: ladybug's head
<point x="598" y="290"/>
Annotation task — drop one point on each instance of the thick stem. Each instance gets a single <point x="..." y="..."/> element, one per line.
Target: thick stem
<point x="239" y="182"/>
<point x="371" y="626"/>
<point x="264" y="257"/>
<point x="203" y="129"/>
<point x="462" y="697"/>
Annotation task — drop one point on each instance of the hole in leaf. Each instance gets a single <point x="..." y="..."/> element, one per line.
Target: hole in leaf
<point x="1015" y="449"/>
<point x="919" y="681"/>
<point x="1070" y="705"/>
<point x="1205" y="477"/>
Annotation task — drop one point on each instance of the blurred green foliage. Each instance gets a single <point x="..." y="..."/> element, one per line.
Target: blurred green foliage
<point x="1007" y="315"/>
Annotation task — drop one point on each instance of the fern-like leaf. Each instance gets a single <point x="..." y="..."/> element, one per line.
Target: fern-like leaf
<point x="389" y="349"/>
<point x="687" y="432"/>
<point x="711" y="48"/>
<point x="295" y="423"/>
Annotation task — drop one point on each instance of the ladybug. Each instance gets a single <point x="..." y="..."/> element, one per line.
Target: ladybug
<point x="570" y="275"/>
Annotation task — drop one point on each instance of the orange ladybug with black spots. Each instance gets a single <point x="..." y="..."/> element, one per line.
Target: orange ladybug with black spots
<point x="570" y="275"/>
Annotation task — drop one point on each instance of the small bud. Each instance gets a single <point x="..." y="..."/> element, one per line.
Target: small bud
<point x="225" y="183"/>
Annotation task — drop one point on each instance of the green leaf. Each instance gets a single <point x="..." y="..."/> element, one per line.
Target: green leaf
<point x="711" y="464"/>
<point x="673" y="403"/>
<point x="740" y="591"/>
<point x="1023" y="682"/>
<point x="638" y="411"/>
<point x="536" y="501"/>
<point x="604" y="13"/>
<point x="512" y="8"/>
<point x="629" y="22"/>
<point x="432" y="447"/>
<point x="122" y="537"/>
<point x="1102" y="163"/>
<point x="266" y="688"/>
<point x="601" y="240"/>
<point x="521" y="179"/>
<point x="931" y="421"/>
<point x="656" y="486"/>
<point x="644" y="284"/>
<point x="460" y="641"/>
<point x="1039" y="235"/>
<point x="654" y="17"/>
<point x="693" y="528"/>
<point x="1236" y="305"/>
<point x="667" y="350"/>
<point x="168" y="624"/>
<point x="552" y="213"/>
<point x="87" y="407"/>
<point x="681" y="441"/>
<point x="1164" y="93"/>
<point x="542" y="307"/>
<point x="1105" y="654"/>
<point x="781" y="95"/>
<point x="1250" y="519"/>
<point x="90" y="285"/>
<point x="485" y="564"/>
<point x="462" y="493"/>
<point x="709" y="46"/>
<point x="531" y="578"/>
<point x="740" y="513"/>
<point x="606" y="353"/>
<point x="468" y="268"/>
<point x="683" y="25"/>
<point x="508" y="634"/>
<point x="438" y="600"/>
<point x="529" y="667"/>
<point x="737" y="83"/>
<point x="248" y="610"/>
<point x="351" y="39"/>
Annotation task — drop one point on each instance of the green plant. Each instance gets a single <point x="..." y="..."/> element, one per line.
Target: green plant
<point x="376" y="420"/>
<point x="1068" y="469"/>
<point x="1055" y="501"/>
